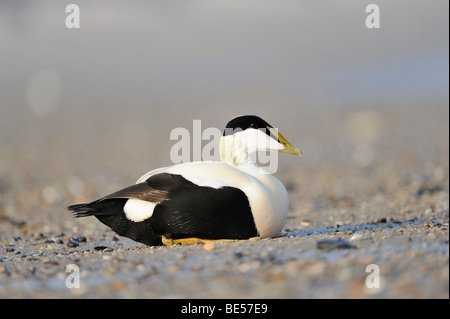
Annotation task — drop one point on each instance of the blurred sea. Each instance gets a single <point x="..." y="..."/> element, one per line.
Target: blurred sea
<point x="137" y="69"/>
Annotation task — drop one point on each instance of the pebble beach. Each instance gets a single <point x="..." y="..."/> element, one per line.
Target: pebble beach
<point x="372" y="189"/>
<point x="94" y="94"/>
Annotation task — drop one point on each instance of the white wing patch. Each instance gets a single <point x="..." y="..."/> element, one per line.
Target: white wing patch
<point x="138" y="210"/>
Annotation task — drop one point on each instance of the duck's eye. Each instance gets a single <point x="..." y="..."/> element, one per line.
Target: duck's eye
<point x="253" y="125"/>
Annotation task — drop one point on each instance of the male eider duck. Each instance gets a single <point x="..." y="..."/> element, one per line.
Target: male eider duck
<point x="203" y="201"/>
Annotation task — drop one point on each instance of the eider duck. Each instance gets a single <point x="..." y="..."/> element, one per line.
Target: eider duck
<point x="206" y="200"/>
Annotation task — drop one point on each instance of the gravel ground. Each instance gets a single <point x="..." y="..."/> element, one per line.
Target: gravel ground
<point x="371" y="190"/>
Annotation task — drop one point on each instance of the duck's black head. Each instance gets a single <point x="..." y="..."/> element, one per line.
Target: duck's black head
<point x="241" y="123"/>
<point x="252" y="133"/>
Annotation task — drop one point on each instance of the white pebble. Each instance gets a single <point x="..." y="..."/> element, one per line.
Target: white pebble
<point x="356" y="237"/>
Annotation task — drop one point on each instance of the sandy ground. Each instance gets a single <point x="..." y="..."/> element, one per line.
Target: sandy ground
<point x="378" y="179"/>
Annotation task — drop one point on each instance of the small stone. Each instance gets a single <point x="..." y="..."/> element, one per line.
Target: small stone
<point x="80" y="239"/>
<point x="305" y="223"/>
<point x="381" y="220"/>
<point x="38" y="236"/>
<point x="103" y="248"/>
<point x="244" y="267"/>
<point x="120" y="258"/>
<point x="209" y="246"/>
<point x="238" y="255"/>
<point x="140" y="267"/>
<point x="330" y="244"/>
<point x="72" y="242"/>
<point x="339" y="223"/>
<point x="246" y="253"/>
<point x="356" y="237"/>
<point x="316" y="268"/>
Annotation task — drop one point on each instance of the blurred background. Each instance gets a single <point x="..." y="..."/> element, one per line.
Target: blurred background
<point x="86" y="111"/>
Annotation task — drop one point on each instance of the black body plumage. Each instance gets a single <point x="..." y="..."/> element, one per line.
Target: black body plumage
<point x="184" y="210"/>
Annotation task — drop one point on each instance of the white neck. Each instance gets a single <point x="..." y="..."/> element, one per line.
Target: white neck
<point x="233" y="151"/>
<point x="240" y="148"/>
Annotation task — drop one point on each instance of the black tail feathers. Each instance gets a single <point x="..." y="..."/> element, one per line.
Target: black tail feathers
<point x="81" y="210"/>
<point x="97" y="208"/>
